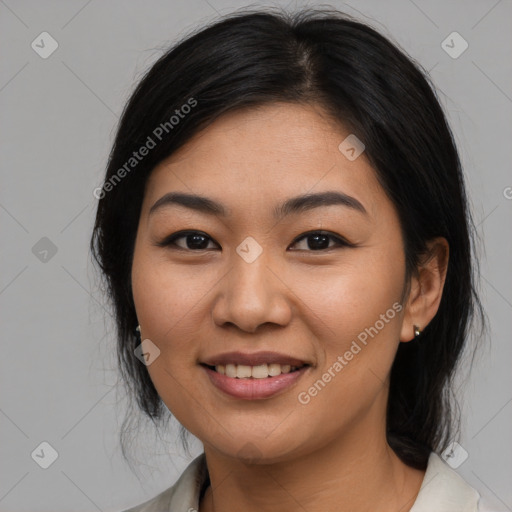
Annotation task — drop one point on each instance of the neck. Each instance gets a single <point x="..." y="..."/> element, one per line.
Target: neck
<point x="357" y="472"/>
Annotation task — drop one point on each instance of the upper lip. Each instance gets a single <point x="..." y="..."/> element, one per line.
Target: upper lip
<point x="255" y="359"/>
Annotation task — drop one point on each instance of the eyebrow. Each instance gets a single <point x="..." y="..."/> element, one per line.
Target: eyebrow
<point x="293" y="205"/>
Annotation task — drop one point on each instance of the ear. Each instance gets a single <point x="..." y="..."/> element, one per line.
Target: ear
<point x="426" y="288"/>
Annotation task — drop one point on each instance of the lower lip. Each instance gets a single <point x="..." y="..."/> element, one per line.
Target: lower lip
<point x="254" y="389"/>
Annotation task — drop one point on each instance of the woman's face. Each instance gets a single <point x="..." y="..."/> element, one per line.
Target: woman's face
<point x="319" y="282"/>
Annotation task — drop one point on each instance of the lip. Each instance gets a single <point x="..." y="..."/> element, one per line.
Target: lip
<point x="254" y="389"/>
<point x="254" y="359"/>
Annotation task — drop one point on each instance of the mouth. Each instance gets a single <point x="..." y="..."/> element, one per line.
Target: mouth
<point x="263" y="381"/>
<point x="254" y="376"/>
<point x="262" y="371"/>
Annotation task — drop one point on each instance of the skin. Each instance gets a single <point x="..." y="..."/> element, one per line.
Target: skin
<point x="272" y="454"/>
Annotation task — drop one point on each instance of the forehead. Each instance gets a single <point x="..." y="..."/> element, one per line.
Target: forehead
<point x="262" y="155"/>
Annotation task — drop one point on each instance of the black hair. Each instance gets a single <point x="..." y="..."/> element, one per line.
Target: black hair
<point x="367" y="84"/>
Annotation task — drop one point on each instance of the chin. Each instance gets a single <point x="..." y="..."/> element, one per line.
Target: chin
<point x="257" y="451"/>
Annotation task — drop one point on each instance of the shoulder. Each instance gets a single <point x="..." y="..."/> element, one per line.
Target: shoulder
<point x="485" y="506"/>
<point x="444" y="490"/>
<point x="183" y="495"/>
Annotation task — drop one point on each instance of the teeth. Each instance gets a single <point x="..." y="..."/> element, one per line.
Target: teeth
<point x="262" y="371"/>
<point x="274" y="369"/>
<point x="242" y="371"/>
<point x="231" y="370"/>
<point x="258" y="372"/>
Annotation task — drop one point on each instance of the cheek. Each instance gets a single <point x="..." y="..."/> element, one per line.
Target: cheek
<point x="166" y="300"/>
<point x="166" y="297"/>
<point x="353" y="295"/>
<point x="354" y="310"/>
<point x="355" y="316"/>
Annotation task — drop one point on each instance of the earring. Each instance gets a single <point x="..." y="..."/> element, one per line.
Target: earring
<point x="137" y="328"/>
<point x="417" y="331"/>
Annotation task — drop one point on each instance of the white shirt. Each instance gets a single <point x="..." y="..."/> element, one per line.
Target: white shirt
<point x="442" y="490"/>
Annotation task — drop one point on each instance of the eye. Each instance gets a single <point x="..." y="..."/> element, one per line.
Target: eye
<point x="319" y="240"/>
<point x="198" y="241"/>
<point x="194" y="240"/>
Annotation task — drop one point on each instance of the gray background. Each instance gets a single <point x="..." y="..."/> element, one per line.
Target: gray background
<point x="58" y="119"/>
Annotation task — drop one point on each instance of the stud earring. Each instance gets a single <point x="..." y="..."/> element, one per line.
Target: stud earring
<point x="137" y="328"/>
<point x="417" y="331"/>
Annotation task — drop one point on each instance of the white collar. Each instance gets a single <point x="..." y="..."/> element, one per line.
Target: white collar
<point x="442" y="490"/>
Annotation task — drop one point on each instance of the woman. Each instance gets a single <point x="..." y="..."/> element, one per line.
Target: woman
<point x="285" y="236"/>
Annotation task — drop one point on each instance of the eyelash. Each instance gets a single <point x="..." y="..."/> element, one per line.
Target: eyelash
<point x="171" y="239"/>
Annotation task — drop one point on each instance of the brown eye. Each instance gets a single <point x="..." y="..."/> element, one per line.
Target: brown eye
<point x="193" y="241"/>
<point x="198" y="241"/>
<point x="320" y="240"/>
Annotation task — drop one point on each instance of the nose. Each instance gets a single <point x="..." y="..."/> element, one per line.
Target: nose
<point x="250" y="295"/>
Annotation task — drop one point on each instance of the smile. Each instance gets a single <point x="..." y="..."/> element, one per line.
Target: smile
<point x="262" y="371"/>
<point x="254" y="382"/>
